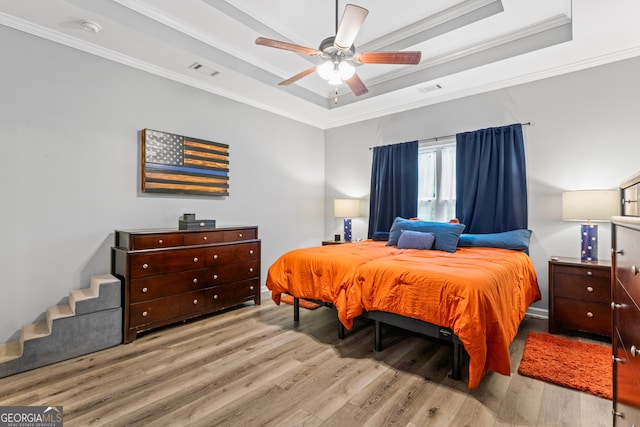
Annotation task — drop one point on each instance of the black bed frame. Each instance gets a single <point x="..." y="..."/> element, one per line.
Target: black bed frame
<point x="408" y="323"/>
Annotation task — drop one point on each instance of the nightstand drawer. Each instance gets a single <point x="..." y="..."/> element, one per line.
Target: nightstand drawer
<point x="583" y="316"/>
<point x="586" y="271"/>
<point x="586" y="288"/>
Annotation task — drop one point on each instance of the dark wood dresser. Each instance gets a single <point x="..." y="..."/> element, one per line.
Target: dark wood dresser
<point x="579" y="296"/>
<point x="626" y="320"/>
<point x="174" y="275"/>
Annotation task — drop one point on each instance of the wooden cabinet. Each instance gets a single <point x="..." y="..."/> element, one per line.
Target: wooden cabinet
<point x="626" y="320"/>
<point x="579" y="296"/>
<point x="173" y="275"/>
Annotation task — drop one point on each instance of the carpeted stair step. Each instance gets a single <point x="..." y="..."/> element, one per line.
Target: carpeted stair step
<point x="91" y="321"/>
<point x="9" y="351"/>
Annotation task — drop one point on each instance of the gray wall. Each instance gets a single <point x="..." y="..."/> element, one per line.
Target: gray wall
<point x="69" y="168"/>
<point x="584" y="136"/>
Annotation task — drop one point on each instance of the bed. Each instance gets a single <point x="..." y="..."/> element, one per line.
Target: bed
<point x="474" y="297"/>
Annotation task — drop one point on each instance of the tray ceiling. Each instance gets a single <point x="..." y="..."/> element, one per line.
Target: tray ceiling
<point x="468" y="46"/>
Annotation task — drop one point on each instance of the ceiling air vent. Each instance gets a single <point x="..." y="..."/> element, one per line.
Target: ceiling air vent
<point x="203" y="69"/>
<point x="427" y="89"/>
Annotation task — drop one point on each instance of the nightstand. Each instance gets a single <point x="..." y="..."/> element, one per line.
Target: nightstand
<point x="579" y="296"/>
<point x="332" y="242"/>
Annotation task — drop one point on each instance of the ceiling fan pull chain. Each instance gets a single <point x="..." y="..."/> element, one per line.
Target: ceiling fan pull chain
<point x="335" y="100"/>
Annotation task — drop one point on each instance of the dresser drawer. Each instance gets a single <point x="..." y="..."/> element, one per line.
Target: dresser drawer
<point x="154" y="264"/>
<point x="628" y="261"/>
<point x="583" y="316"/>
<point x="219" y="255"/>
<point x="156" y="241"/>
<point x="169" y="308"/>
<point x="168" y="284"/>
<point x="628" y="314"/>
<point x="240" y="234"/>
<point x="203" y="238"/>
<point x="595" y="288"/>
<point x="226" y="273"/>
<point x="231" y="294"/>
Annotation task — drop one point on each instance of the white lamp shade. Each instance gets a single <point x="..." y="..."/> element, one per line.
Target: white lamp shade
<point x="346" y="208"/>
<point x="590" y="205"/>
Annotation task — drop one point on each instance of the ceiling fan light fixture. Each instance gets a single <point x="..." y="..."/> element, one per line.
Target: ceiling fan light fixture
<point x="335" y="80"/>
<point x="346" y="70"/>
<point x="326" y="70"/>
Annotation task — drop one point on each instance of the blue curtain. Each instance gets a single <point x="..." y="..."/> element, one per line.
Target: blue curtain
<point x="394" y="185"/>
<point x="491" y="187"/>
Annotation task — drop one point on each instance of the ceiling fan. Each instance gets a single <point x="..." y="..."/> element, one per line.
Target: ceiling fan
<point x="339" y="51"/>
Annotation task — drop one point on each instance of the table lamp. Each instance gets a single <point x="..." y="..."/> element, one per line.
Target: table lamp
<point x="589" y="205"/>
<point x="347" y="209"/>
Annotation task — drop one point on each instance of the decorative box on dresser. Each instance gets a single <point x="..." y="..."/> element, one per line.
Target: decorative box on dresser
<point x="625" y="236"/>
<point x="174" y="275"/>
<point x="579" y="296"/>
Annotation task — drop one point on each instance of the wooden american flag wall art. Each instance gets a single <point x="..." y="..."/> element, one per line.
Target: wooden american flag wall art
<point x="183" y="165"/>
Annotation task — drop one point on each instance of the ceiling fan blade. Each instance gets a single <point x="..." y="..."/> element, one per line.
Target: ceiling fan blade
<point x="298" y="76"/>
<point x="350" y="25"/>
<point x="287" y="46"/>
<point x="357" y="87"/>
<point x="411" y="58"/>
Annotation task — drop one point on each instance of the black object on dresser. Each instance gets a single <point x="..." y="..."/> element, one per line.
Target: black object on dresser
<point x="626" y="320"/>
<point x="174" y="275"/>
<point x="579" y="296"/>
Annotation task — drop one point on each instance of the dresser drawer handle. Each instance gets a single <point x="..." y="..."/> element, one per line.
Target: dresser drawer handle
<point x="614" y="306"/>
<point x="251" y="252"/>
<point x="215" y="257"/>
<point x="195" y="301"/>
<point x="195" y="259"/>
<point x="589" y="289"/>
<point x="239" y="234"/>
<point x="617" y="359"/>
<point x="251" y="287"/>
<point x="204" y="237"/>
<point x="145" y="266"/>
<point x="589" y="314"/>
<point x="634" y="351"/>
<point x="634" y="270"/>
<point x="251" y="270"/>
<point x="215" y="277"/>
<point x="160" y="241"/>
<point x="589" y="273"/>
<point x="195" y="280"/>
<point x="215" y="297"/>
<point x="144" y="314"/>
<point x="144" y="290"/>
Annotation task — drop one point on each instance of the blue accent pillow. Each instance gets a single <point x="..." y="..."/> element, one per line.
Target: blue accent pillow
<point x="516" y="239"/>
<point x="380" y="236"/>
<point x="446" y="234"/>
<point x="410" y="239"/>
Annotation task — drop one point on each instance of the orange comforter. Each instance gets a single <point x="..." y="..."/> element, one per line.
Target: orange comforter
<point x="480" y="293"/>
<point x="324" y="273"/>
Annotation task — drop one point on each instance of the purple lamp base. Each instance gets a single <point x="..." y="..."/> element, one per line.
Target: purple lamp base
<point x="347" y="229"/>
<point x="589" y="250"/>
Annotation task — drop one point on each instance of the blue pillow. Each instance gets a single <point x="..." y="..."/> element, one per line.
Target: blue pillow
<point x="516" y="239"/>
<point x="380" y="236"/>
<point x="446" y="234"/>
<point x="410" y="239"/>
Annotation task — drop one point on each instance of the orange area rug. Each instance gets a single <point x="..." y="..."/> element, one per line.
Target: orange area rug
<point x="288" y="299"/>
<point x="569" y="363"/>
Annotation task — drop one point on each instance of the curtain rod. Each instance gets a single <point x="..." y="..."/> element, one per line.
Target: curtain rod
<point x="449" y="136"/>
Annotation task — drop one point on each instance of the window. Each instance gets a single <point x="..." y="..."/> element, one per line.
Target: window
<point x="437" y="181"/>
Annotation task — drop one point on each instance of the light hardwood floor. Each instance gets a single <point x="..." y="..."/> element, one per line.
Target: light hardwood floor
<point x="253" y="366"/>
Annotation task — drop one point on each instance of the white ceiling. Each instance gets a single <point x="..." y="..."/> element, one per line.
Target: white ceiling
<point x="468" y="46"/>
